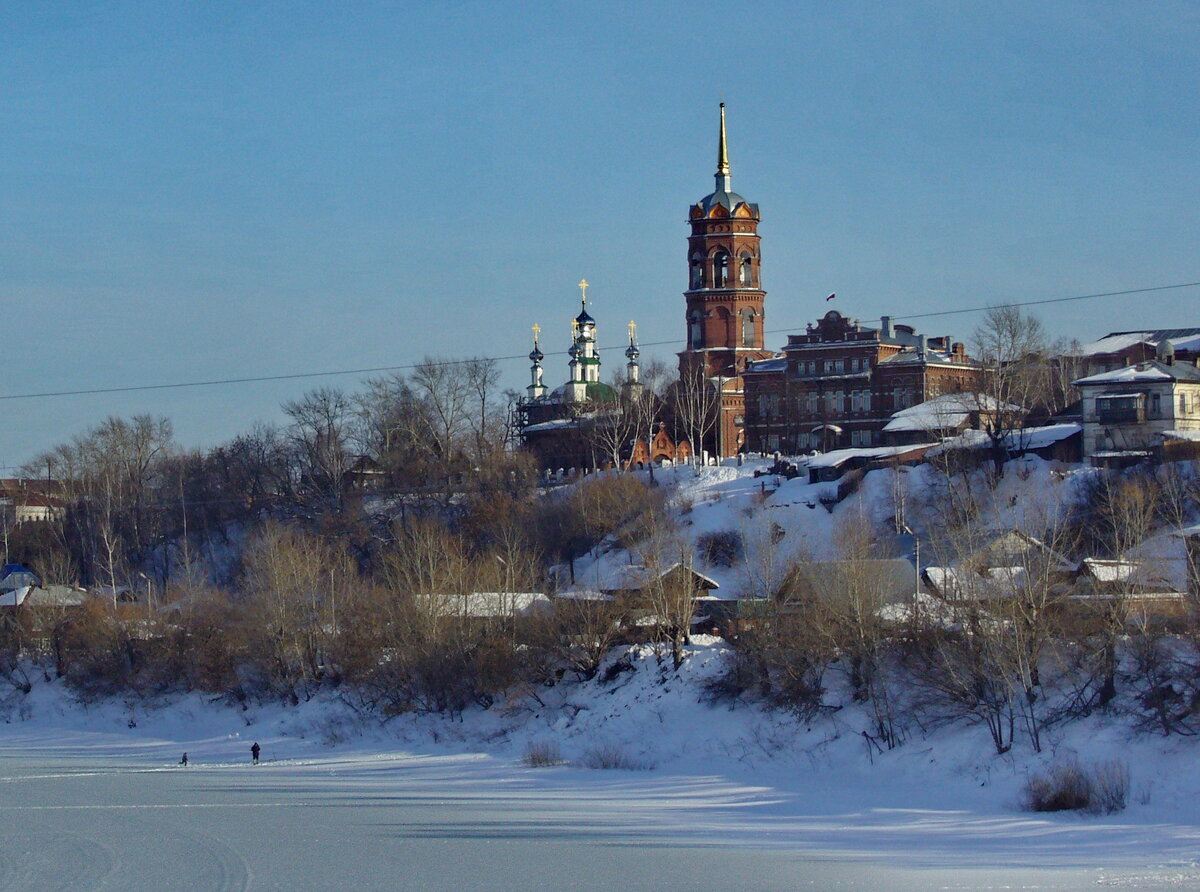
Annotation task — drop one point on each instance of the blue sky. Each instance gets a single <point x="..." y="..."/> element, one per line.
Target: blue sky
<point x="210" y="190"/>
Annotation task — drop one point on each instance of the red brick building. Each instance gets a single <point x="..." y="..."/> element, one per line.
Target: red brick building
<point x="724" y="299"/>
<point x="836" y="385"/>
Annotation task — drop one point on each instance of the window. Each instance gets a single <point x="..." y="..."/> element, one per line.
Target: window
<point x="696" y="278"/>
<point x="1182" y="404"/>
<point x="1155" y="404"/>
<point x="748" y="338"/>
<point x="695" y="330"/>
<point x="813" y="404"/>
<point x="838" y="366"/>
<point x="866" y="401"/>
<point x="720" y="269"/>
<point x="745" y="270"/>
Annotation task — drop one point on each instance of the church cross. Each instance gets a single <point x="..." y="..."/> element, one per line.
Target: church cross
<point x="583" y="287"/>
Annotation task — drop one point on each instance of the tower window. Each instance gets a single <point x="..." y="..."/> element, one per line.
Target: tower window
<point x="696" y="277"/>
<point x="745" y="270"/>
<point x="748" y="339"/>
<point x="695" y="331"/>
<point x="720" y="269"/>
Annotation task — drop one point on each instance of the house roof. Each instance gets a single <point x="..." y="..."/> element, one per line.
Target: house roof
<point x="50" y="596"/>
<point x="1115" y="342"/>
<point x="487" y="604"/>
<point x="1149" y="372"/>
<point x="950" y="410"/>
<point x="631" y="577"/>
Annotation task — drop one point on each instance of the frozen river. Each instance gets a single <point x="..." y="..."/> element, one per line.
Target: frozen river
<point x="78" y="814"/>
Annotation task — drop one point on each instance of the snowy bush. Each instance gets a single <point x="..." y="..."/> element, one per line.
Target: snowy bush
<point x="541" y="754"/>
<point x="611" y="757"/>
<point x="721" y="548"/>
<point x="1068" y="786"/>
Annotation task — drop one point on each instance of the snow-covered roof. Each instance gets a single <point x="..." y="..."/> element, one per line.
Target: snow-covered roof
<point x="611" y="577"/>
<point x="50" y="596"/>
<point x="767" y="365"/>
<point x="839" y="457"/>
<point x="1111" y="571"/>
<point x="1179" y="338"/>
<point x="913" y="356"/>
<point x="556" y="424"/>
<point x="949" y="410"/>
<point x="1026" y="438"/>
<point x="1150" y="372"/>
<point x="1194" y="436"/>
<point x="486" y="604"/>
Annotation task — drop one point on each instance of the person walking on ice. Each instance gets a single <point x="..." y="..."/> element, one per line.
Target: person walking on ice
<point x="254" y="751"/>
<point x="183" y="761"/>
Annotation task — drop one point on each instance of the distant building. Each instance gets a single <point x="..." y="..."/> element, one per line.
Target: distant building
<point x="1129" y="411"/>
<point x="839" y="384"/>
<point x="563" y="427"/>
<point x="1120" y="349"/>
<point x="30" y="500"/>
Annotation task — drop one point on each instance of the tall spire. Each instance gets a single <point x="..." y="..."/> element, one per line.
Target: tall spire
<point x="722" y="157"/>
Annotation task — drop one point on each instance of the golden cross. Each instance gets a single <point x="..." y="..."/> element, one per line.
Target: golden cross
<point x="632" y="330"/>
<point x="583" y="287"/>
<point x="537" y="330"/>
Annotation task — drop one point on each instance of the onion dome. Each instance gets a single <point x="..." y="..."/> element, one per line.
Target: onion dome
<point x="536" y="355"/>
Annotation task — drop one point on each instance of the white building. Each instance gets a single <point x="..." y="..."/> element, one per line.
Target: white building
<point x="1133" y="409"/>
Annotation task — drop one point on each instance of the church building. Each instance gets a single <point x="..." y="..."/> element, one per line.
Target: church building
<point x="724" y="301"/>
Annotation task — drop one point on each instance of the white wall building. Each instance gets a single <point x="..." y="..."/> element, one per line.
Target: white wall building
<point x="1132" y="409"/>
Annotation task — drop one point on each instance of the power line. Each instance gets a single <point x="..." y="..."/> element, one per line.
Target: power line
<point x="218" y="382"/>
<point x="1051" y="300"/>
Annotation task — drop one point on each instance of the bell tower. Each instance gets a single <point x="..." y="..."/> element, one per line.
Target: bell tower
<point x="724" y="300"/>
<point x="724" y="296"/>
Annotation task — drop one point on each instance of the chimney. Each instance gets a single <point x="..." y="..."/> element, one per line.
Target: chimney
<point x="885" y="328"/>
<point x="921" y="344"/>
<point x="1166" y="352"/>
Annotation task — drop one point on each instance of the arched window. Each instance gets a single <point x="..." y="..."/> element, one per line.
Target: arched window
<point x="720" y="269"/>
<point x="695" y="331"/>
<point x="745" y="270"/>
<point x="747" y="328"/>
<point x="696" y="277"/>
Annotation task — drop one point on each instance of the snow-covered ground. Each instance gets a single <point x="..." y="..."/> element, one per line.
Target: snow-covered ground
<point x="717" y="798"/>
<point x="711" y="796"/>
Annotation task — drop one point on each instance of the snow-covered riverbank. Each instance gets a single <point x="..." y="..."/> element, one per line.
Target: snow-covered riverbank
<point x="732" y="782"/>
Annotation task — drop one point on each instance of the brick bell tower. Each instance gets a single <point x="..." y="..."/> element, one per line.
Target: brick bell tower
<point x="724" y="297"/>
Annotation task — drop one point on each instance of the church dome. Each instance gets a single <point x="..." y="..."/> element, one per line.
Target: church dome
<point x="728" y="200"/>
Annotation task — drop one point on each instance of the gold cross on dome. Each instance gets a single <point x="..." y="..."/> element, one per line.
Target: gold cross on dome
<point x="632" y="329"/>
<point x="583" y="287"/>
<point x="537" y="330"/>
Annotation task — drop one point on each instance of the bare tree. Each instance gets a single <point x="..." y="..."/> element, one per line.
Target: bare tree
<point x="320" y="432"/>
<point x="1011" y="346"/>
<point x="697" y="403"/>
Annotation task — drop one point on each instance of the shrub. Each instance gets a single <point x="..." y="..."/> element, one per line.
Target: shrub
<point x="1110" y="782"/>
<point x="1068" y="786"/>
<point x="611" y="757"/>
<point x="541" y="754"/>
<point x="721" y="548"/>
